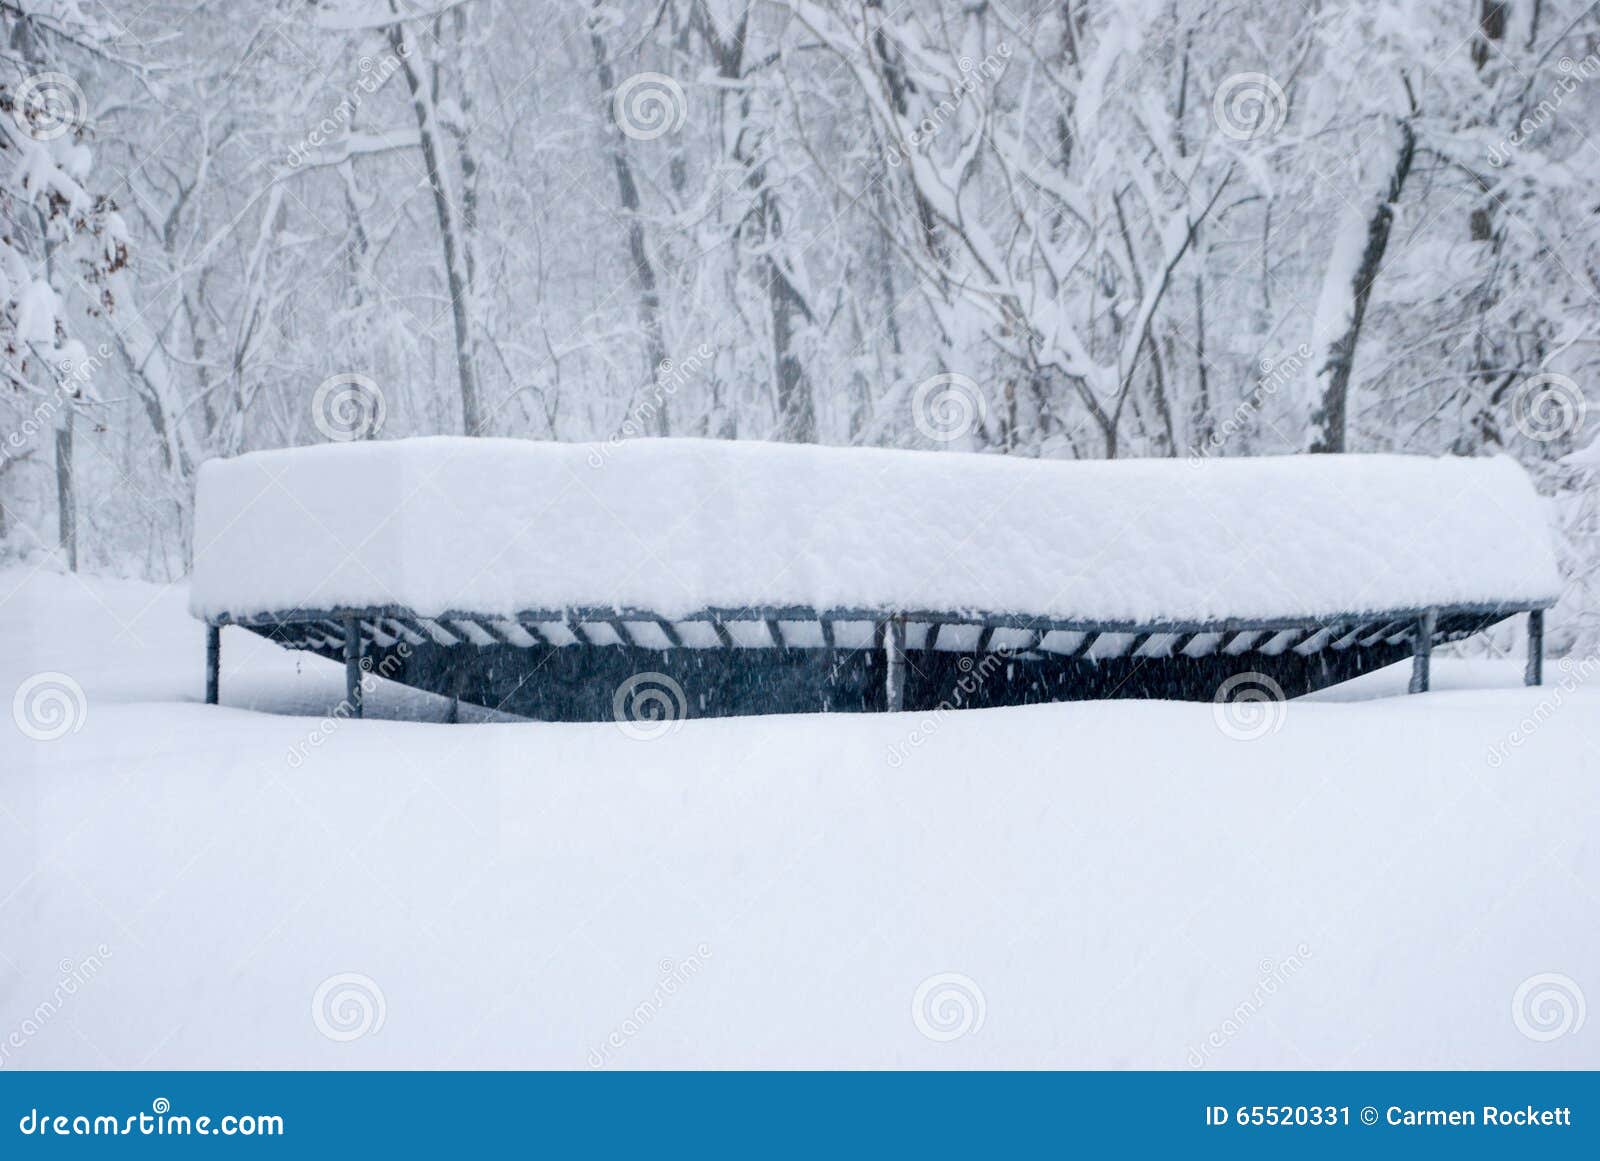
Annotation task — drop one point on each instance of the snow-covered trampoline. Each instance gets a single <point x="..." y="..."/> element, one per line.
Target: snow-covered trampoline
<point x="540" y="578"/>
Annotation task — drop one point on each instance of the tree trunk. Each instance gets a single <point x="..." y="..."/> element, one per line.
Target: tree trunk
<point x="455" y="257"/>
<point x="1203" y="425"/>
<point x="66" y="501"/>
<point x="1491" y="29"/>
<point x="466" y="155"/>
<point x="644" y="272"/>
<point x="797" y="418"/>
<point x="787" y="311"/>
<point x="66" y="492"/>
<point x="1329" y="421"/>
<point x="7" y="463"/>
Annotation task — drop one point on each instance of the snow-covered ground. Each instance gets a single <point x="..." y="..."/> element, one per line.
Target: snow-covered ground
<point x="1374" y="881"/>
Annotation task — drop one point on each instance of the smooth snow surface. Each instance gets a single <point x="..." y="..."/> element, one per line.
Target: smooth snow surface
<point x="495" y="527"/>
<point x="1108" y="884"/>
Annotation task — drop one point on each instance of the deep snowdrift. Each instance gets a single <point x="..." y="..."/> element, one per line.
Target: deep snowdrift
<point x="1404" y="881"/>
<point x="678" y="526"/>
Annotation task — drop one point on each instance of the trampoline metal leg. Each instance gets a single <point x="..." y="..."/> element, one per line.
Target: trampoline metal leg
<point x="1422" y="650"/>
<point x="1534" y="674"/>
<point x="352" y="665"/>
<point x="894" y="653"/>
<point x="213" y="662"/>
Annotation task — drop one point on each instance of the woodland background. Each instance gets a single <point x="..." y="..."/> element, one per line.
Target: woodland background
<point x="1069" y="229"/>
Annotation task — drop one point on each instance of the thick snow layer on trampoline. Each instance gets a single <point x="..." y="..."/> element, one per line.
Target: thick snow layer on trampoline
<point x="673" y="526"/>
